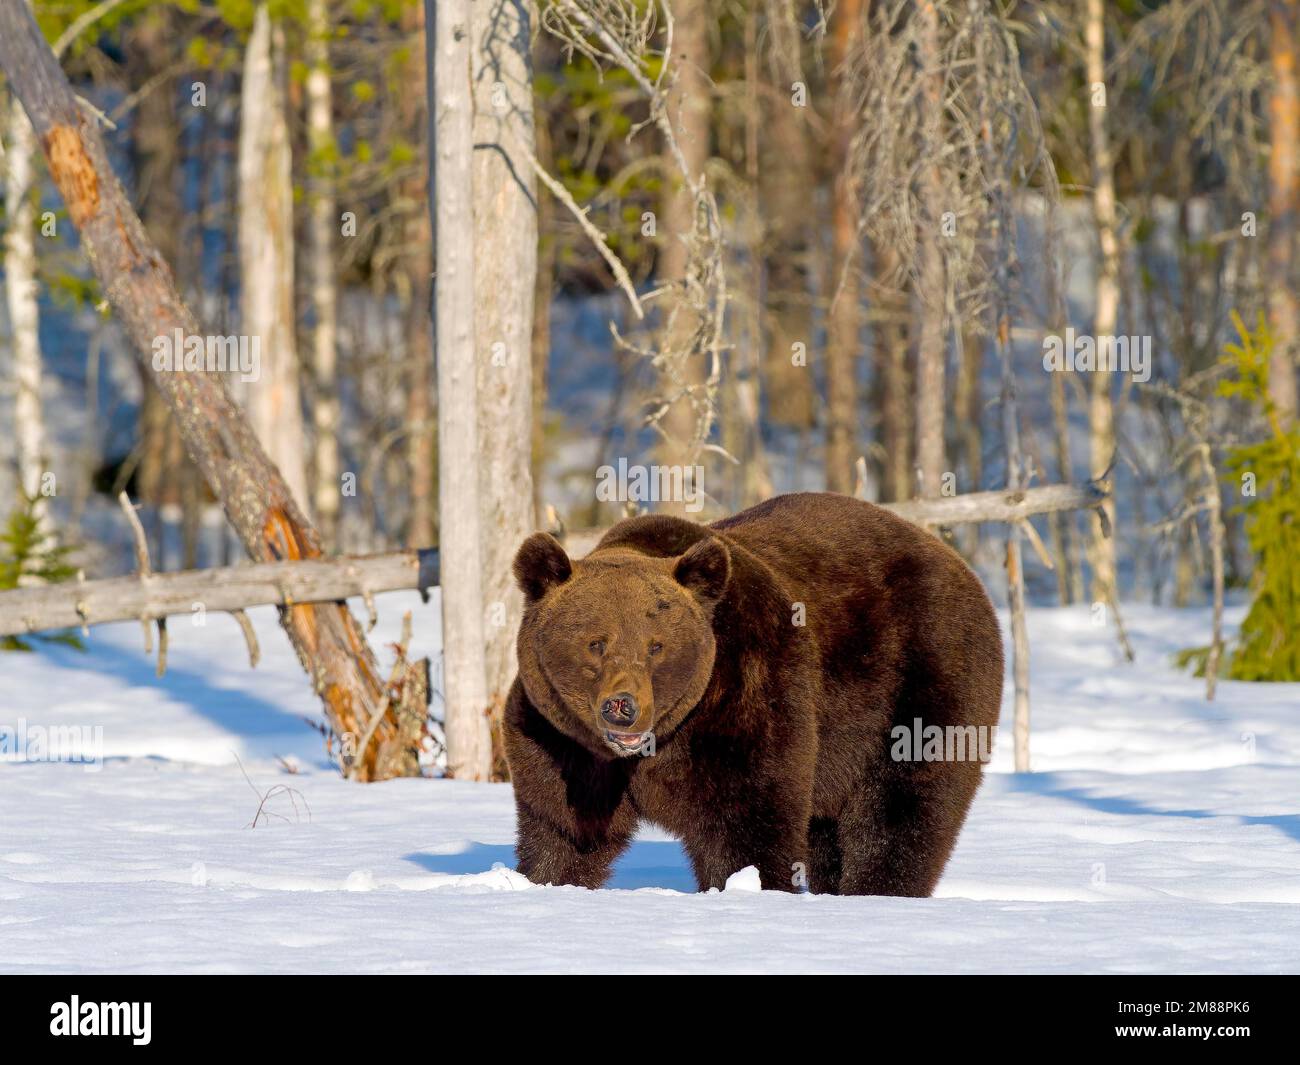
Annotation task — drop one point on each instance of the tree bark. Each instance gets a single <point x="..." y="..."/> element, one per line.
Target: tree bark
<point x="266" y="253"/>
<point x="689" y="109"/>
<point x="467" y="727"/>
<point x="24" y="311"/>
<point x="139" y="286"/>
<point x="326" y="489"/>
<point x="892" y="353"/>
<point x="843" y="341"/>
<point x="505" y="222"/>
<point x="223" y="589"/>
<point x="1283" y="205"/>
<point x="156" y="155"/>
<point x="931" y="354"/>
<point x="1101" y="413"/>
<point x="422" y="522"/>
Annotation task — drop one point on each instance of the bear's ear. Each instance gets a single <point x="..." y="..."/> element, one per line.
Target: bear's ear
<point x="541" y="564"/>
<point x="705" y="569"/>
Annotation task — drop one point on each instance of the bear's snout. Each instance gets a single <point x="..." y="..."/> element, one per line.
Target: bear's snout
<point x="619" y="710"/>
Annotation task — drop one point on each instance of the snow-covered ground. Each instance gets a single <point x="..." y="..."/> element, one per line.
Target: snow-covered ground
<point x="1157" y="833"/>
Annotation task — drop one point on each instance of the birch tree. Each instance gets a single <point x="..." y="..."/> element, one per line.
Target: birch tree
<point x="266" y="252"/>
<point x="1101" y="412"/>
<point x="24" y="311"/>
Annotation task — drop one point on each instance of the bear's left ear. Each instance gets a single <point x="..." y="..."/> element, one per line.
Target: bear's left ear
<point x="705" y="569"/>
<point x="541" y="564"/>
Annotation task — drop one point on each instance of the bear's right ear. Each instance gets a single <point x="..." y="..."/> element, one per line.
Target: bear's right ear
<point x="540" y="565"/>
<point x="705" y="569"/>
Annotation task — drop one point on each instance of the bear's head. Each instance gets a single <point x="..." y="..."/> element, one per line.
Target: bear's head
<point x="618" y="647"/>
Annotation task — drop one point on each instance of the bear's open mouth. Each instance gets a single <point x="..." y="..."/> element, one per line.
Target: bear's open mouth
<point x="625" y="742"/>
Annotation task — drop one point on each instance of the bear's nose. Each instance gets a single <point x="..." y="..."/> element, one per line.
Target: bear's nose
<point x="620" y="709"/>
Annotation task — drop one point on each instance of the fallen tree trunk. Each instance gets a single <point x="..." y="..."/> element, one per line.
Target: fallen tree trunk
<point x="1001" y="505"/>
<point x="139" y="285"/>
<point x="225" y="590"/>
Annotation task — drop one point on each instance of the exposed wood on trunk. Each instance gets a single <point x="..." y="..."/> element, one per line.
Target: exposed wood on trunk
<point x="469" y="740"/>
<point x="139" y="287"/>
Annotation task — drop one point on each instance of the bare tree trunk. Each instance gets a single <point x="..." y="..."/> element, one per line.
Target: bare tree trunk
<point x="1002" y="248"/>
<point x="787" y="175"/>
<point x="24" y="311"/>
<point x="894" y="385"/>
<point x="138" y="284"/>
<point x="543" y="293"/>
<point x="156" y="149"/>
<point x="754" y="475"/>
<point x="1101" y="413"/>
<point x="451" y="109"/>
<point x="505" y="221"/>
<point x="689" y="106"/>
<point x="931" y="301"/>
<point x="968" y="403"/>
<point x="1283" y="205"/>
<point x="1069" y="579"/>
<point x="326" y="489"/>
<point x="422" y="523"/>
<point x="843" y="339"/>
<point x="266" y="252"/>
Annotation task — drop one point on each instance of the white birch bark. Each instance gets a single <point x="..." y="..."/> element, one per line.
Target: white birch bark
<point x="24" y="311"/>
<point x="1101" y="413"/>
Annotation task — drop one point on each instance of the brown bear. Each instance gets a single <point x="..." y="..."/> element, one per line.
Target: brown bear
<point x="743" y="685"/>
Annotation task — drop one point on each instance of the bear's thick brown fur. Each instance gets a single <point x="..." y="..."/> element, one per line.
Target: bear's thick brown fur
<point x="737" y="684"/>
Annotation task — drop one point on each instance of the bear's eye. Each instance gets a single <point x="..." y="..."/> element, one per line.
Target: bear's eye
<point x="596" y="647"/>
<point x="656" y="647"/>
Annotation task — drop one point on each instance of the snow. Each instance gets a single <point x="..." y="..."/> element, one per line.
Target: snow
<point x="1158" y="833"/>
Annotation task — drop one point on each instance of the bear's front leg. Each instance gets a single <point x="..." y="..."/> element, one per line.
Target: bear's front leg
<point x="768" y="832"/>
<point x="574" y="814"/>
<point x="549" y="854"/>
